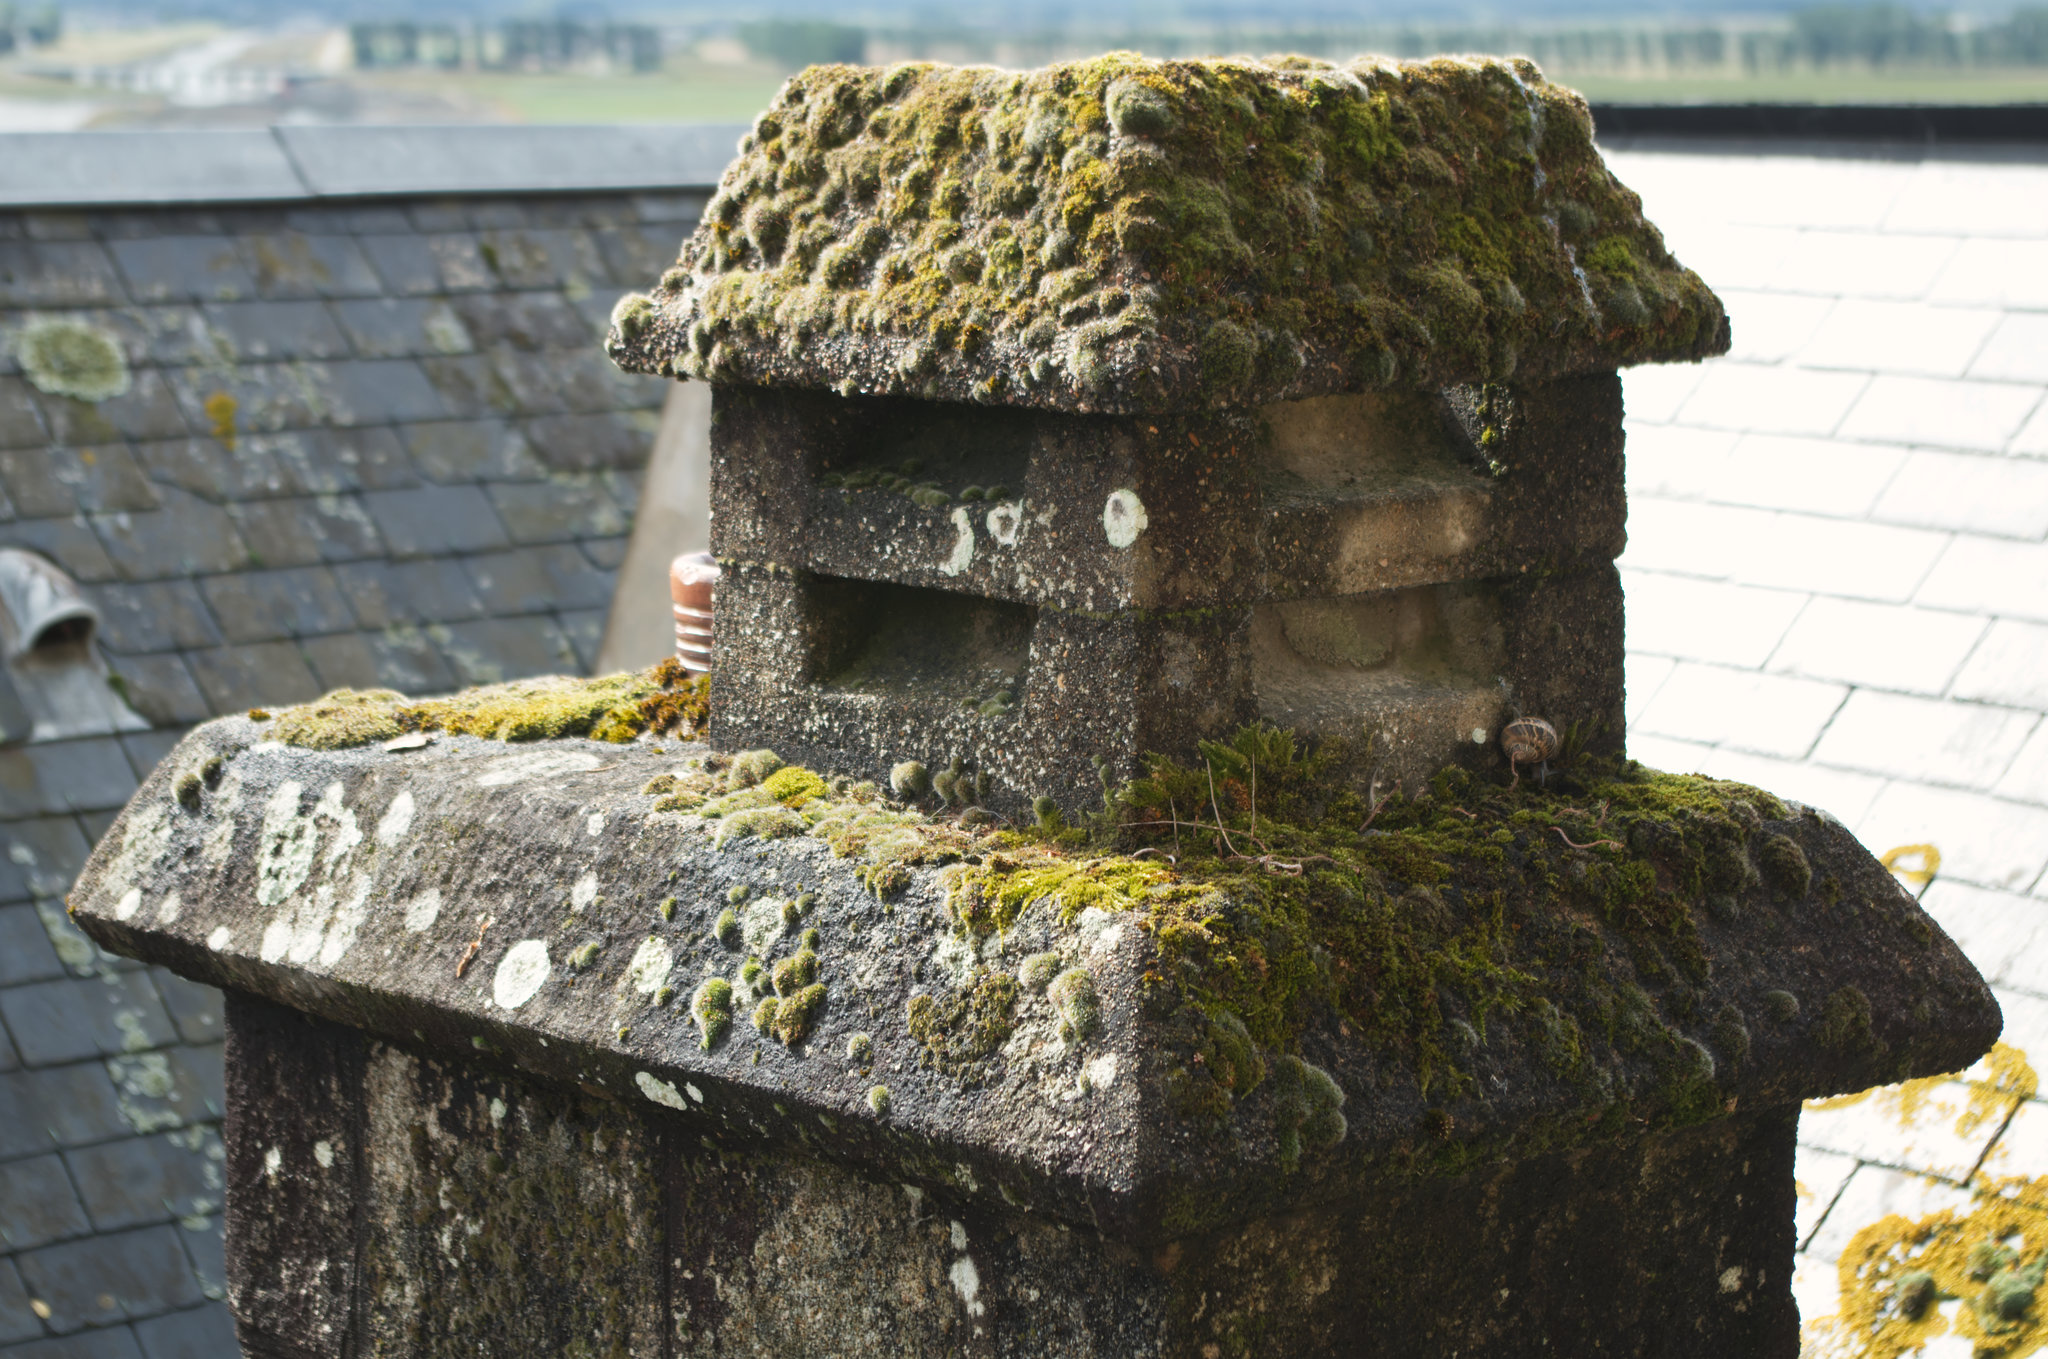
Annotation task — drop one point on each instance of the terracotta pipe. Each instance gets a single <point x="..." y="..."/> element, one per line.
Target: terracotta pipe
<point x="690" y="580"/>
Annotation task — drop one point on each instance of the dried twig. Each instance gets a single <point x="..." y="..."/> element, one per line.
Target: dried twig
<point x="483" y="922"/>
<point x="1614" y="844"/>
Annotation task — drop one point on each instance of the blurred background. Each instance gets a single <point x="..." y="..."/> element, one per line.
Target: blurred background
<point x="136" y="63"/>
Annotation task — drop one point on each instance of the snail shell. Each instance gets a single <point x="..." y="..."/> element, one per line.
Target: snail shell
<point x="1528" y="740"/>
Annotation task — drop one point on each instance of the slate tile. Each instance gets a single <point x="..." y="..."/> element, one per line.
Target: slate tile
<point x="255" y="398"/>
<point x="585" y="630"/>
<point x="558" y="509"/>
<point x="635" y="256"/>
<point x="633" y="391"/>
<point x="80" y="955"/>
<point x="70" y="543"/>
<point x="330" y="462"/>
<point x="71" y="1018"/>
<point x="147" y="410"/>
<point x="446" y="213"/>
<point x="21" y="419"/>
<point x="406" y="262"/>
<point x="57" y="224"/>
<point x="170" y="1088"/>
<point x="96" y="825"/>
<point x="678" y="207"/>
<point x="194" y="1008"/>
<point x="182" y="269"/>
<point x="369" y="219"/>
<point x="62" y="1106"/>
<point x="537" y="579"/>
<point x="495" y="649"/>
<point x="186" y="537"/>
<point x="262" y="675"/>
<point x="37" y="1205"/>
<point x="50" y="482"/>
<point x="534" y="380"/>
<point x="585" y="380"/>
<point x="152" y="616"/>
<point x="25" y="952"/>
<point x="48" y="851"/>
<point x="106" y="1342"/>
<point x="105" y="1279"/>
<point x="592" y="443"/>
<point x="299" y="530"/>
<point x="203" y="1333"/>
<point x="303" y="264"/>
<point x="379" y="391"/>
<point x="263" y="606"/>
<point x="160" y="687"/>
<point x="18" y="1320"/>
<point x="386" y="593"/>
<point x="399" y="658"/>
<point x="205" y="1243"/>
<point x="606" y="554"/>
<point x="10" y="1060"/>
<point x="434" y="520"/>
<point x="523" y="320"/>
<point x="204" y="467"/>
<point x="275" y="330"/>
<point x="460" y="262"/>
<point x="470" y="386"/>
<point x="57" y="274"/>
<point x="64" y="776"/>
<point x="471" y="450"/>
<point x="142" y="1180"/>
<point x="146" y="750"/>
<point x="395" y="327"/>
<point x="547" y="258"/>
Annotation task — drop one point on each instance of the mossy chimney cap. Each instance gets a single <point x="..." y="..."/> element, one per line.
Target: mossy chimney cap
<point x="1130" y="235"/>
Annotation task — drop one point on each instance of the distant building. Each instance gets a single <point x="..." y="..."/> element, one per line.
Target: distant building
<point x="517" y="45"/>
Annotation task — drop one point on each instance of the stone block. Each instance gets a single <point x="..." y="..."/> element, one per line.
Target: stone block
<point x="106" y="1279"/>
<point x="384" y="594"/>
<point x="534" y="580"/>
<point x="69" y="1019"/>
<point x="398" y="658"/>
<point x="433" y="520"/>
<point x="57" y="274"/>
<point x="153" y="616"/>
<point x="183" y="269"/>
<point x="262" y="606"/>
<point x="557" y="509"/>
<point x="241" y="331"/>
<point x="298" y="264"/>
<point x="140" y="1181"/>
<point x="299" y="530"/>
<point x="471" y="450"/>
<point x="161" y="688"/>
<point x="147" y="410"/>
<point x="237" y="677"/>
<point x="25" y="953"/>
<point x="60" y="1107"/>
<point x="396" y="327"/>
<point x="206" y="1332"/>
<point x="186" y="537"/>
<point x="1044" y="1168"/>
<point x="37" y="1205"/>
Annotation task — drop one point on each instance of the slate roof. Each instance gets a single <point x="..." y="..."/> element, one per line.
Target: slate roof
<point x="429" y="481"/>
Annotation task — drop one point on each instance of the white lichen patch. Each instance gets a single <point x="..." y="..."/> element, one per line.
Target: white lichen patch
<point x="954" y="956"/>
<point x="660" y="1091"/>
<point x="346" y="921"/>
<point x="220" y="836"/>
<point x="397" y="819"/>
<point x="1123" y="518"/>
<point x="221" y="937"/>
<point x="963" y="544"/>
<point x="323" y="1152"/>
<point x="129" y="904"/>
<point x="346" y="834"/>
<point x="169" y="908"/>
<point x="497" y="1112"/>
<point x="1004" y="521"/>
<point x="521" y="972"/>
<point x="510" y="769"/>
<point x="966" y="1281"/>
<point x="290" y="840"/>
<point x="144" y="841"/>
<point x="583" y="891"/>
<point x="273" y="1161"/>
<point x="761" y="924"/>
<point x="595" y="824"/>
<point x="1101" y="1072"/>
<point x="648" y="971"/>
<point x="423" y="910"/>
<point x="694" y="1092"/>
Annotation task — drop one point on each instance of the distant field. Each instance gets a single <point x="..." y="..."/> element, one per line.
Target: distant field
<point x="697" y="92"/>
<point x="1844" y="87"/>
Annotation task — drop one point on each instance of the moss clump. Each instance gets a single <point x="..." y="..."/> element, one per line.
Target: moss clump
<point x="187" y="791"/>
<point x="1127" y="234"/>
<point x="793" y="786"/>
<point x="631" y="317"/>
<point x="794" y="973"/>
<point x="614" y="708"/>
<point x="738" y="893"/>
<point x="71" y="358"/>
<point x="1781" y="1006"/>
<point x="584" y="955"/>
<point x="910" y="779"/>
<point x="751" y="767"/>
<point x="962" y="1033"/>
<point x="667" y="909"/>
<point x="797" y="1012"/>
<point x="726" y="930"/>
<point x="878" y="1100"/>
<point x="711" y="1007"/>
<point x="764" y="1014"/>
<point x="1784" y="865"/>
<point x="1036" y="972"/>
<point x="860" y="1050"/>
<point x="1844" y="1024"/>
<point x="1307" y="1110"/>
<point x="1072" y="994"/>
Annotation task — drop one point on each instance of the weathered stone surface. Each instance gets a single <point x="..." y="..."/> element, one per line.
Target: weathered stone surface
<point x="1128" y="235"/>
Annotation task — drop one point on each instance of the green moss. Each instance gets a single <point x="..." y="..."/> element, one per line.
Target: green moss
<point x="71" y="358"/>
<point x="614" y="708"/>
<point x="764" y="1014"/>
<point x="860" y="1050"/>
<point x="631" y="317"/>
<point x="584" y="955"/>
<point x="1844" y="1023"/>
<point x="727" y="928"/>
<point x="1036" y="972"/>
<point x="1133" y="234"/>
<point x="1784" y="866"/>
<point x="188" y="789"/>
<point x="878" y="1100"/>
<point x="961" y="1033"/>
<point x="751" y="972"/>
<point x="1914" y="1293"/>
<point x="1307" y="1110"/>
<point x="738" y="893"/>
<point x="1781" y="1006"/>
<point x="667" y="909"/>
<point x="1072" y="994"/>
<point x="751" y="767"/>
<point x="910" y="779"/>
<point x="797" y="1012"/>
<point x="711" y="1007"/>
<point x="793" y="786"/>
<point x="794" y="973"/>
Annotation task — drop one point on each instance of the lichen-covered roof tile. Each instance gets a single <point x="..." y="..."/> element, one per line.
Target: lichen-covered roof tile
<point x="1124" y="234"/>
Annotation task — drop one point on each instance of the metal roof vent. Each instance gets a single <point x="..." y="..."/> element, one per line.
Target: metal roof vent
<point x="55" y="683"/>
